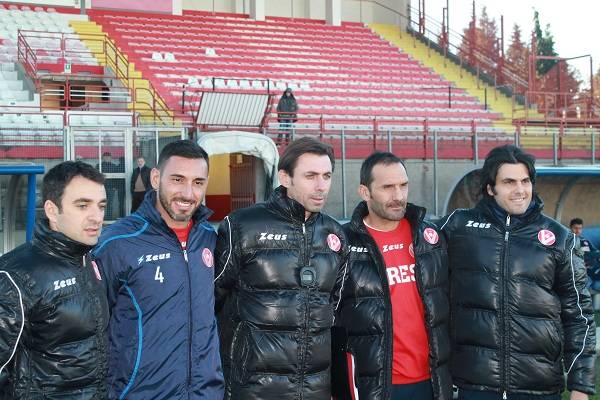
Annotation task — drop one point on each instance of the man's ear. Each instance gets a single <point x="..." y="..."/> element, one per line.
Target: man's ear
<point x="490" y="190"/>
<point x="284" y="178"/>
<point x="155" y="178"/>
<point x="51" y="210"/>
<point x="364" y="192"/>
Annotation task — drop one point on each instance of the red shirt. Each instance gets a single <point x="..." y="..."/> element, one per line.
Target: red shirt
<point x="411" y="348"/>
<point x="183" y="233"/>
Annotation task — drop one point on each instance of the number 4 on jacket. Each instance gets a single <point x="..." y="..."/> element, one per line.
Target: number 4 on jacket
<point x="158" y="276"/>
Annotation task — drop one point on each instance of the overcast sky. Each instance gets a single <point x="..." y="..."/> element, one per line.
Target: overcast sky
<point x="575" y="24"/>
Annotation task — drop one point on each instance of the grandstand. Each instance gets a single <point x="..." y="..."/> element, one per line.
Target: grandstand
<point x="357" y="76"/>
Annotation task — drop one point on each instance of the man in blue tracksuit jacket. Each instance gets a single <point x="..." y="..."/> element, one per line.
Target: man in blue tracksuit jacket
<point x="157" y="266"/>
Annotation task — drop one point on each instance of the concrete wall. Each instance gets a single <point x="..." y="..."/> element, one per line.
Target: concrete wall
<point x="352" y="10"/>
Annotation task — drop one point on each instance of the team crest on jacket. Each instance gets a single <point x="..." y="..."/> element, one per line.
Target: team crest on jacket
<point x="96" y="270"/>
<point x="334" y="242"/>
<point x="207" y="257"/>
<point x="430" y="236"/>
<point x="546" y="237"/>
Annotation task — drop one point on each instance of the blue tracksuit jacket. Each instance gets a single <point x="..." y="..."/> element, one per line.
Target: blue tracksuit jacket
<point x="162" y="331"/>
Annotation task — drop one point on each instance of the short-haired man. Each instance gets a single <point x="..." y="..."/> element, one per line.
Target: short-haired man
<point x="394" y="307"/>
<point x="53" y="312"/>
<point x="140" y="183"/>
<point x="521" y="316"/>
<point x="583" y="247"/>
<point x="158" y="268"/>
<point x="280" y="269"/>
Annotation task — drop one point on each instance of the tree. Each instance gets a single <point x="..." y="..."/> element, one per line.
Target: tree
<point x="480" y="43"/>
<point x="544" y="44"/>
<point x="517" y="56"/>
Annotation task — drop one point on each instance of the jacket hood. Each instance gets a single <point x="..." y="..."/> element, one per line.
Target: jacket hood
<point x="58" y="244"/>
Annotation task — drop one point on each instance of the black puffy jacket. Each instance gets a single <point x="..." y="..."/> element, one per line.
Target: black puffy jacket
<point x="519" y="307"/>
<point x="53" y="321"/>
<point x="365" y="311"/>
<point x="274" y="330"/>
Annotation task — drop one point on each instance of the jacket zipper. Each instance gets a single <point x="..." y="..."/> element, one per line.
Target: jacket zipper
<point x="378" y="258"/>
<point x="504" y="347"/>
<point x="304" y="333"/>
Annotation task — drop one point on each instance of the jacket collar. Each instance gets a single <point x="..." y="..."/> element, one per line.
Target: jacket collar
<point x="489" y="206"/>
<point x="287" y="207"/>
<point x="57" y="244"/>
<point x="414" y="215"/>
<point x="148" y="211"/>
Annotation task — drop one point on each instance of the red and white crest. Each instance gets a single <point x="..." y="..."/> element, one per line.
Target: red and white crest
<point x="431" y="236"/>
<point x="96" y="270"/>
<point x="207" y="257"/>
<point x="411" y="250"/>
<point x="546" y="237"/>
<point x="334" y="242"/>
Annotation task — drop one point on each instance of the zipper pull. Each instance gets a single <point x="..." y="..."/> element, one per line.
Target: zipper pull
<point x="185" y="255"/>
<point x="506" y="236"/>
<point x="508" y="220"/>
<point x="303" y="229"/>
<point x="504" y="395"/>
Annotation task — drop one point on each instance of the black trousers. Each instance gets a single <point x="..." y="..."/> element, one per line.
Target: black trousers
<point x="413" y="391"/>
<point x="136" y="200"/>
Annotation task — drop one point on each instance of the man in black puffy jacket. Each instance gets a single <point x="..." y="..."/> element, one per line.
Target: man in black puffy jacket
<point x="53" y="313"/>
<point x="394" y="309"/>
<point x="520" y="314"/>
<point x="280" y="267"/>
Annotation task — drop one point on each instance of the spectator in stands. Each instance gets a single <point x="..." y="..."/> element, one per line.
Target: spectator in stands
<point x="286" y="115"/>
<point x="280" y="267"/>
<point x="521" y="315"/>
<point x="405" y="315"/>
<point x="140" y="183"/>
<point x="157" y="266"/>
<point x="114" y="186"/>
<point x="53" y="312"/>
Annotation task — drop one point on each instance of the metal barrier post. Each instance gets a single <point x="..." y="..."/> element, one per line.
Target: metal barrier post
<point x="593" y="146"/>
<point x="30" y="206"/>
<point x="344" y="205"/>
<point x="389" y="138"/>
<point x="435" y="177"/>
<point x="475" y="148"/>
<point x="554" y="147"/>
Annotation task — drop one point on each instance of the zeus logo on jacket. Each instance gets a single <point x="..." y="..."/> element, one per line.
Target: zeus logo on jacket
<point x="272" y="236"/>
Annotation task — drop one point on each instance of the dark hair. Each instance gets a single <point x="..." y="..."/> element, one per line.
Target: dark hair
<point x="379" y="157"/>
<point x="507" y="154"/>
<point x="181" y="148"/>
<point x="301" y="146"/>
<point x="56" y="180"/>
<point x="576" y="221"/>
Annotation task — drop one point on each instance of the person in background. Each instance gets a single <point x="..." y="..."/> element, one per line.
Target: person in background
<point x="114" y="189"/>
<point x="287" y="109"/>
<point x="140" y="183"/>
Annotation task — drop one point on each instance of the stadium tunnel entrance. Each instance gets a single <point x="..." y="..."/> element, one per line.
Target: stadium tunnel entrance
<point x="243" y="170"/>
<point x="567" y="192"/>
